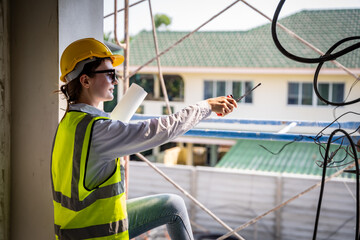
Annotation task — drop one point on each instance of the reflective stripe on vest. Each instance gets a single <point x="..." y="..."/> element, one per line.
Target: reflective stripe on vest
<point x="90" y="232"/>
<point x="81" y="213"/>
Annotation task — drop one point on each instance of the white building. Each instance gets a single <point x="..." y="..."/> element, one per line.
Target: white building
<point x="209" y="64"/>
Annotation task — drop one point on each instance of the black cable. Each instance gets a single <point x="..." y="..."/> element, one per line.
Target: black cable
<point x="328" y="56"/>
<point x="336" y="120"/>
<point x="324" y="58"/>
<point x="283" y="147"/>
<point x="319" y="68"/>
<point x="323" y="182"/>
<point x="318" y="136"/>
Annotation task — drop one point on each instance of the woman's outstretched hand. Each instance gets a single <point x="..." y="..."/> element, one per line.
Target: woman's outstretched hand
<point x="222" y="105"/>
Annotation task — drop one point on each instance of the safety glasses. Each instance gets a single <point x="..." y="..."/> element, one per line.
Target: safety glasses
<point x="110" y="73"/>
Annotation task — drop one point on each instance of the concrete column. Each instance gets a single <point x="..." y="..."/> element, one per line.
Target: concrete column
<point x="34" y="114"/>
<point x="40" y="30"/>
<point x="4" y="121"/>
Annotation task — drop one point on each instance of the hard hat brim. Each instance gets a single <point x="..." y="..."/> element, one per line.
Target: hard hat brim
<point x="117" y="60"/>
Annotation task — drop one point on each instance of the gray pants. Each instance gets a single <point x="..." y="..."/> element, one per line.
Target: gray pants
<point x="149" y="212"/>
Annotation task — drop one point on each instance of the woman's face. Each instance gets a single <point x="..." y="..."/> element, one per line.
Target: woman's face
<point x="102" y="84"/>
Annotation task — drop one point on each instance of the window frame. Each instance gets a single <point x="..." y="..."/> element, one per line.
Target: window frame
<point x="155" y="94"/>
<point x="228" y="89"/>
<point x="315" y="100"/>
<point x="164" y="110"/>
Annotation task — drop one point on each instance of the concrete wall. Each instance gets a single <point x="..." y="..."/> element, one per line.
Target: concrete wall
<point x="78" y="19"/>
<point x="39" y="32"/>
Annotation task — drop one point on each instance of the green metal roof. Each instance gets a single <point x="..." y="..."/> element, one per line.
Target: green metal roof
<point x="253" y="48"/>
<point x="296" y="158"/>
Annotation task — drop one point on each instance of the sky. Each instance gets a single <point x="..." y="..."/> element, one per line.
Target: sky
<point x="187" y="15"/>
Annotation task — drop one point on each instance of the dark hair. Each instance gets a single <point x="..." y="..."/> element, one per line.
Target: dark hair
<point x="72" y="89"/>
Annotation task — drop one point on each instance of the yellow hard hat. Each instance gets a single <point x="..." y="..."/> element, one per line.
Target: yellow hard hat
<point x="84" y="49"/>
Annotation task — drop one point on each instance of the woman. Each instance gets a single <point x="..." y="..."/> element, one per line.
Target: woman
<point x="87" y="175"/>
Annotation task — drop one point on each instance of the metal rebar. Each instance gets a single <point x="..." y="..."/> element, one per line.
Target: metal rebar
<point x="160" y="74"/>
<point x="126" y="74"/>
<point x="122" y="9"/>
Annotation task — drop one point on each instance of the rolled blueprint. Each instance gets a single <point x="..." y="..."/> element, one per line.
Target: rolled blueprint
<point x="129" y="103"/>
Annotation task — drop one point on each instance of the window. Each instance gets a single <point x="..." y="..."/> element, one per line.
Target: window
<point x="324" y="92"/>
<point x="140" y="109"/>
<point x="223" y="88"/>
<point x="303" y="94"/>
<point x="306" y="96"/>
<point x="338" y="92"/>
<point x="165" y="110"/>
<point x="208" y="89"/>
<point x="300" y="93"/>
<point x="146" y="81"/>
<point x="248" y="87"/>
<point x="293" y="94"/>
<point x="333" y="92"/>
<point x="220" y="88"/>
<point x="174" y="86"/>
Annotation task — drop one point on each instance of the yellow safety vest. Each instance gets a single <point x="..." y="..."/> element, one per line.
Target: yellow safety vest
<point x="82" y="213"/>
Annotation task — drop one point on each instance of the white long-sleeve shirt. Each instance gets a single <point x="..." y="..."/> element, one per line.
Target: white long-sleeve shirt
<point x="112" y="139"/>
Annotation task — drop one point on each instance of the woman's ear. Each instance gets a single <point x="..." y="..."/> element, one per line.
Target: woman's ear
<point x="84" y="80"/>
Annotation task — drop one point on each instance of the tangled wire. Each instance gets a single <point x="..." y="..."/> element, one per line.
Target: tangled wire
<point x="350" y="149"/>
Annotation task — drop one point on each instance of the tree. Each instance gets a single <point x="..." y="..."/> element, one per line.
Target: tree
<point x="161" y="20"/>
<point x="108" y="38"/>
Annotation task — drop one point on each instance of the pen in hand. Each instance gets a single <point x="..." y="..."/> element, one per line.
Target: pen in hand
<point x="239" y="99"/>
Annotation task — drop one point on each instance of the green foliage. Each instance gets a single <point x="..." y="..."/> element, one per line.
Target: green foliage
<point x="161" y="20"/>
<point x="108" y="38"/>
